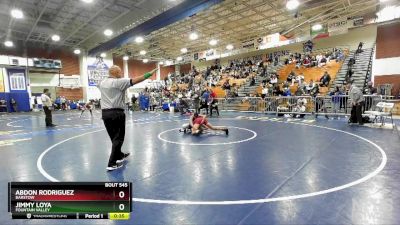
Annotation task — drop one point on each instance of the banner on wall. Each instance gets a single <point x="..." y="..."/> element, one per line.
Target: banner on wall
<point x="270" y="41"/>
<point x="97" y="71"/>
<point x="2" y="88"/>
<point x="338" y="26"/>
<point x="17" y="81"/>
<point x="322" y="33"/>
<point x="248" y="44"/>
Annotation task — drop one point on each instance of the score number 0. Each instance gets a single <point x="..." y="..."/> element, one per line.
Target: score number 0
<point x="121" y="206"/>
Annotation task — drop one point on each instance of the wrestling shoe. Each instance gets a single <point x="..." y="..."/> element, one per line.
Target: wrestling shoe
<point x="114" y="167"/>
<point x="123" y="158"/>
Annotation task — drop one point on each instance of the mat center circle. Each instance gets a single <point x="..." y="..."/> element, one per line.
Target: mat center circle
<point x="236" y="135"/>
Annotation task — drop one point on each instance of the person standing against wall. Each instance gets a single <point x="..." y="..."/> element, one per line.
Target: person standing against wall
<point x="112" y="91"/>
<point x="47" y="105"/>
<point x="14" y="105"/>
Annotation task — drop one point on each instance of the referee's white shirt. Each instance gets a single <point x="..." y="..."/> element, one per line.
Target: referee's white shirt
<point x="113" y="92"/>
<point x="46" y="100"/>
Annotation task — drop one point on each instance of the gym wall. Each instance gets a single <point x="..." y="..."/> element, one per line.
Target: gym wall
<point x="386" y="69"/>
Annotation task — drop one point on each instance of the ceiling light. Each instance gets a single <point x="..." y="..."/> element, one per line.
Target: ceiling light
<point x="229" y="47"/>
<point x="143" y="52"/>
<point x="316" y="27"/>
<point x="145" y="60"/>
<point x="108" y="32"/>
<point x="179" y="58"/>
<point x="103" y="55"/>
<point x="139" y="39"/>
<point x="55" y="37"/>
<point x="383" y="0"/>
<point x="292" y="4"/>
<point x="193" y="36"/>
<point x="126" y="58"/>
<point x="161" y="63"/>
<point x="184" y="50"/>
<point x="17" y="14"/>
<point x="213" y="42"/>
<point x="87" y="1"/>
<point x="9" y="44"/>
<point x="77" y="51"/>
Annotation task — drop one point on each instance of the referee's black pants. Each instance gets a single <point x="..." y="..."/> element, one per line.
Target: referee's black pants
<point x="114" y="121"/>
<point x="49" y="119"/>
<point x="356" y="113"/>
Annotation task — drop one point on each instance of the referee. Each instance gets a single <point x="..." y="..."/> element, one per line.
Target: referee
<point x="113" y="104"/>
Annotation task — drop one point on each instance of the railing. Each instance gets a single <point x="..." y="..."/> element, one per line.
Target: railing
<point x="321" y="105"/>
<point x="369" y="70"/>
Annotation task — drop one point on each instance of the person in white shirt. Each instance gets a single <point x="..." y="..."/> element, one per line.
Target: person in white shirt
<point x="47" y="103"/>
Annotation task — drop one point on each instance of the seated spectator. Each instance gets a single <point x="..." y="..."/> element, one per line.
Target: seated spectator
<point x="252" y="81"/>
<point x="299" y="79"/>
<point x="286" y="92"/>
<point x="300" y="91"/>
<point x="306" y="62"/>
<point x="325" y="79"/>
<point x="314" y="91"/>
<point x="310" y="86"/>
<point x="264" y="91"/>
<point x="340" y="56"/>
<point x="285" y="84"/>
<point x="274" y="80"/>
<point x="322" y="62"/>
<point x="235" y="91"/>
<point x="277" y="91"/>
<point x="300" y="108"/>
<point x="291" y="76"/>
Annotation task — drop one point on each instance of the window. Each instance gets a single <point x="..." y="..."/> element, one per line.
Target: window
<point x="17" y="82"/>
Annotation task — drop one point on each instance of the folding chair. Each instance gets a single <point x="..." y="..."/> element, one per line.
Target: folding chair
<point x="384" y="110"/>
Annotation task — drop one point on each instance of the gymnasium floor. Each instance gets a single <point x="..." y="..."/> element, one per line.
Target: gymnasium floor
<point x="267" y="171"/>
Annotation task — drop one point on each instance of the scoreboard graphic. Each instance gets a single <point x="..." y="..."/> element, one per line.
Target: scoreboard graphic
<point x="70" y="200"/>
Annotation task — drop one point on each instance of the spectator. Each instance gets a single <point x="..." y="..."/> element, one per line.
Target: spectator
<point x="133" y="101"/>
<point x="310" y="86"/>
<point x="371" y="90"/>
<point x="286" y="92"/>
<point x="264" y="91"/>
<point x="253" y="81"/>
<point x="274" y="80"/>
<point x="325" y="79"/>
<point x="351" y="63"/>
<point x="336" y="100"/>
<point x="307" y="62"/>
<point x="359" y="48"/>
<point x="291" y="76"/>
<point x="322" y="62"/>
<point x="14" y="105"/>
<point x="277" y="91"/>
<point x="300" y="108"/>
<point x="349" y="74"/>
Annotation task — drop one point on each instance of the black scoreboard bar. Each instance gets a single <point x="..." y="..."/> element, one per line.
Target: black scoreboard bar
<point x="70" y="200"/>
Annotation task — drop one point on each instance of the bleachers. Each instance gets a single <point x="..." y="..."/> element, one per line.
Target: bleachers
<point x="360" y="68"/>
<point x="313" y="73"/>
